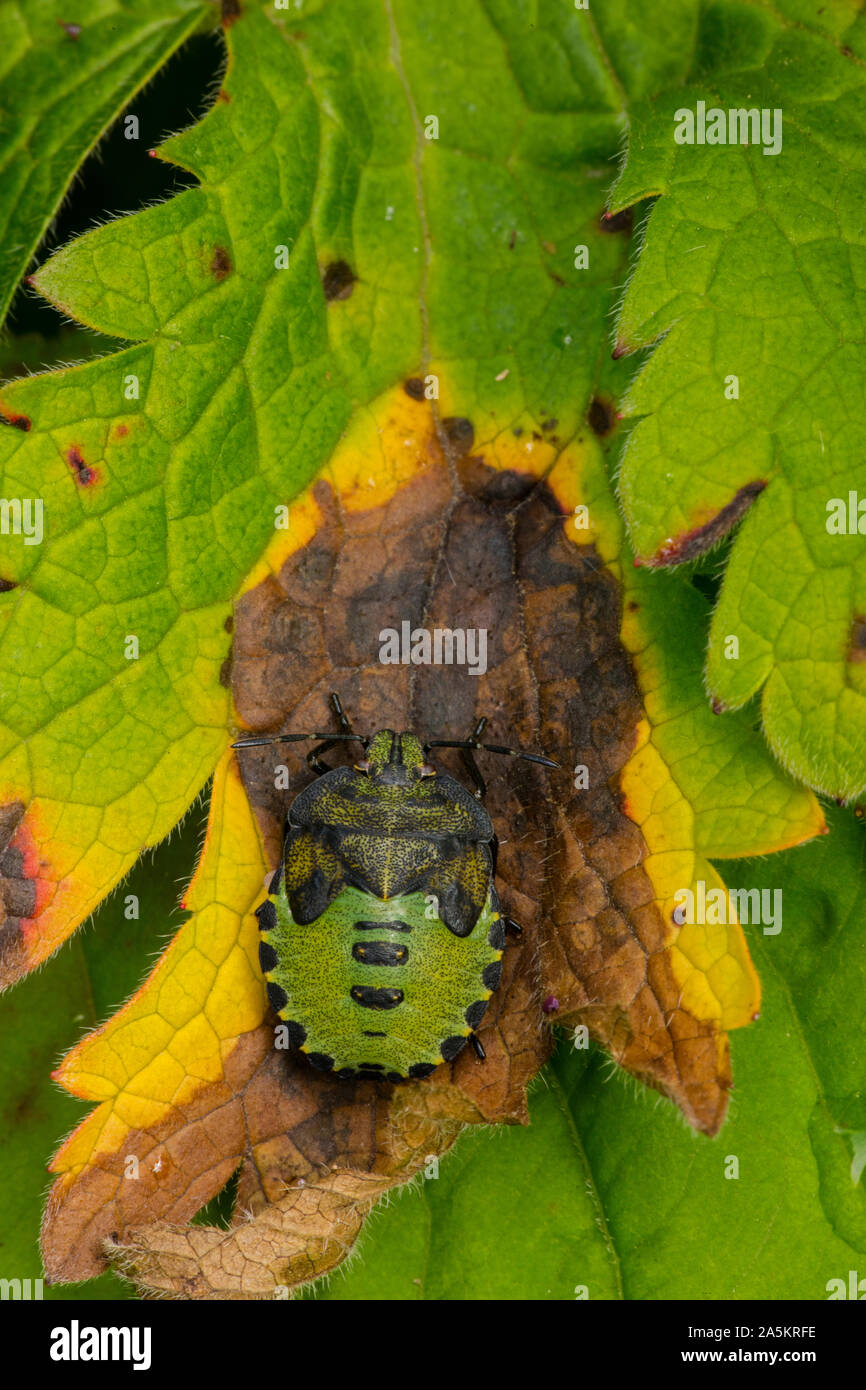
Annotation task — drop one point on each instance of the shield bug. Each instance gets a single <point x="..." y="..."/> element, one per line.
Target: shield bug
<point x="381" y="936"/>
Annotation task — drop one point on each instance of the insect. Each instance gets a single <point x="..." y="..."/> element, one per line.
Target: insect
<point x="381" y="936"/>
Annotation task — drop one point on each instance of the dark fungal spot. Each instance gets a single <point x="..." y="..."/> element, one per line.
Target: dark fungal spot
<point x="338" y="281"/>
<point x="512" y="239"/>
<point x="414" y="387"/>
<point x="18" y="422"/>
<point x="418" y="1070"/>
<point x="277" y="996"/>
<point x="601" y="416"/>
<point x="267" y="915"/>
<point x="451" y="1047"/>
<point x="369" y="997"/>
<point x="84" y="474"/>
<point x="268" y="957"/>
<point x="700" y="539"/>
<point x="380" y="953"/>
<point x="491" y="975"/>
<point x="857" y="647"/>
<point x="220" y="263"/>
<point x="475" y="1013"/>
<point x="6" y="585"/>
<point x="617" y="221"/>
<point x="297" y="1033"/>
<point x="496" y="935"/>
<point x="320" y="1060"/>
<point x="460" y="434"/>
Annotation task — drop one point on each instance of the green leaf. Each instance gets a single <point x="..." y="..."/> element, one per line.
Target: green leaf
<point x="618" y="1195"/>
<point x="63" y="83"/>
<point x="752" y="268"/>
<point x="160" y="466"/>
<point x="43" y="1017"/>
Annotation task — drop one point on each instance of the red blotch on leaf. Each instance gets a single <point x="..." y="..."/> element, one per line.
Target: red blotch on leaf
<point x="85" y="476"/>
<point x="18" y="422"/>
<point x="700" y="539"/>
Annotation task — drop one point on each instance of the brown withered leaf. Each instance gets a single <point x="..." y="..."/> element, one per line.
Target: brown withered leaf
<point x="453" y="543"/>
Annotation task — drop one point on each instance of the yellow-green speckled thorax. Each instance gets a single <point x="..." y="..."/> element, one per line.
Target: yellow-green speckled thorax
<point x="381" y="939"/>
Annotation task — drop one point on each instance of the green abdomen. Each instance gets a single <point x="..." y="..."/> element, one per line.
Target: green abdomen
<point x="382" y="987"/>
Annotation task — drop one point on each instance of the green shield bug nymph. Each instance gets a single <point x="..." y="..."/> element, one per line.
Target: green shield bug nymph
<point x="381" y="936"/>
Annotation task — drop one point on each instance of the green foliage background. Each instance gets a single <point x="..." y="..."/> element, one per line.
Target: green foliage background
<point x="607" y="1188"/>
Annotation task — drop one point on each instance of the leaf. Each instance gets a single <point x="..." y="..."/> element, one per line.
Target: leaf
<point x="41" y="1019"/>
<point x="262" y="387"/>
<point x="63" y="83"/>
<point x="668" y="1222"/>
<point x="191" y="1086"/>
<point x="749" y="269"/>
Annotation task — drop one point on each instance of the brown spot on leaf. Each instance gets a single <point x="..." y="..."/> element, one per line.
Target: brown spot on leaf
<point x="85" y="476"/>
<point x="601" y="416"/>
<point x="223" y="95"/>
<point x="857" y="640"/>
<point x="460" y="434"/>
<point x="18" y="891"/>
<point x="121" y="431"/>
<point x="225" y="675"/>
<point x="414" y="387"/>
<point x="613" y="222"/>
<point x="338" y="281"/>
<point x="702" y="538"/>
<point x="229" y="623"/>
<point x="220" y="263"/>
<point x="6" y="585"/>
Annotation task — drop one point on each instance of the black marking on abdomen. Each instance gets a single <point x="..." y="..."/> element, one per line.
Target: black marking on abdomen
<point x="382" y="926"/>
<point x="380" y="953"/>
<point x="277" y="996"/>
<point x="369" y="997"/>
<point x="492" y="974"/>
<point x="268" y="958"/>
<point x="368" y="1034"/>
<point x="421" y="1069"/>
<point x="475" y="1013"/>
<point x="267" y="915"/>
<point x="451" y="1047"/>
